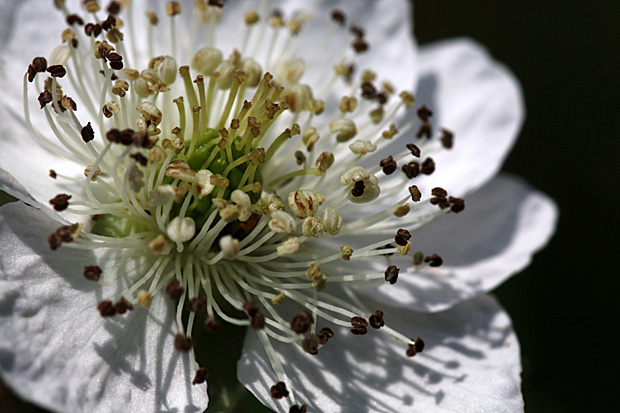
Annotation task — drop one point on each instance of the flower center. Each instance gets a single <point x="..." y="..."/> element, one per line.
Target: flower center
<point x="216" y="182"/>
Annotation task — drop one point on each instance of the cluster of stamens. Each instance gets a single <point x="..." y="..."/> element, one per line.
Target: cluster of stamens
<point x="220" y="186"/>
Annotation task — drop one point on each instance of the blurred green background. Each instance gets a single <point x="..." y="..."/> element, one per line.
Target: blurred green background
<point x="564" y="305"/>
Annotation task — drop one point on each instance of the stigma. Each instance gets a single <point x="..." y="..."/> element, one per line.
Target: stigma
<point x="227" y="179"/>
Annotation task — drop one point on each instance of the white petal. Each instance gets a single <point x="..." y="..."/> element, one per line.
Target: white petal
<point x="480" y="101"/>
<point x="57" y="351"/>
<point x="502" y="226"/>
<point x="470" y="364"/>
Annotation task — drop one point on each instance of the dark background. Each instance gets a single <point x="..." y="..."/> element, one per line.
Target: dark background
<point x="564" y="305"/>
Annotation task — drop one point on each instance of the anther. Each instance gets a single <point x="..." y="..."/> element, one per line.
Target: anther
<point x="87" y="133"/>
<point x="182" y="343"/>
<point x="389" y="165"/>
<point x="433" y="260"/>
<point x="357" y="31"/>
<point x="415" y="348"/>
<point x="279" y="390"/>
<point x="360" y="45"/>
<point x="339" y="17"/>
<point x="424" y="113"/>
<point x="416" y="195"/>
<point x="439" y="192"/>
<point x="376" y="320"/>
<point x="141" y="159"/>
<point x="197" y="304"/>
<point x="359" y="326"/>
<point x="211" y="324"/>
<point x="458" y="204"/>
<point x="57" y="71"/>
<point x="369" y="91"/>
<point x="402" y="236"/>
<point x="302" y="322"/>
<point x="173" y="8"/>
<point x="60" y="202"/>
<point x="358" y="189"/>
<point x="415" y="151"/>
<point x="201" y="376"/>
<point x="426" y="130"/>
<point x="411" y="170"/>
<point x="428" y="166"/>
<point x="44" y="98"/>
<point x="106" y="308"/>
<point x="418" y="258"/>
<point x="391" y="274"/>
<point x="447" y="138"/>
<point x="174" y="289"/>
<point x="74" y="19"/>
<point x="52" y="174"/>
<point x="122" y="306"/>
<point x="92" y="272"/>
<point x="114" y="7"/>
<point x="297" y="409"/>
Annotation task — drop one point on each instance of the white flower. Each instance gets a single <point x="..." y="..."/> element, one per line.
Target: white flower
<point x="194" y="198"/>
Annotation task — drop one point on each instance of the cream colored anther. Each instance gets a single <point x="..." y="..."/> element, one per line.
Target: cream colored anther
<point x="181" y="230"/>
<point x="204" y="186"/>
<point x="282" y="222"/>
<point x="344" y="129"/>
<point x="312" y="227"/>
<point x="206" y="60"/>
<point x="168" y="70"/>
<point x="181" y="170"/>
<point x="150" y="112"/>
<point x="332" y="221"/>
<point x="289" y="71"/>
<point x="288" y="246"/>
<point x="161" y="195"/>
<point x="244" y="204"/>
<point x="360" y="147"/>
<point x="229" y="246"/>
<point x="253" y="71"/>
<point x="304" y="203"/>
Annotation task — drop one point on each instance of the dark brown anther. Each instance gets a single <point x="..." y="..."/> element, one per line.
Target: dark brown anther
<point x="197" y="303"/>
<point x="201" y="376"/>
<point x="114" y="7"/>
<point x="447" y="138"/>
<point x="360" y="45"/>
<point x="141" y="140"/>
<point x="419" y="344"/>
<point x="424" y="113"/>
<point x="359" y="331"/>
<point x="300" y="158"/>
<point x="106" y="308"/>
<point x="57" y="71"/>
<point x="416" y="195"/>
<point x="440" y="192"/>
<point x="74" y="43"/>
<point x="426" y="130"/>
<point x="44" y="98"/>
<point x="322" y="338"/>
<point x="411" y="351"/>
<point x="182" y="343"/>
<point x="106" y="112"/>
<point x="118" y="65"/>
<point x="357" y="31"/>
<point x="376" y="320"/>
<point x="66" y="232"/>
<point x="359" y="322"/>
<point x="122" y="306"/>
<point x="302" y="322"/>
<point x="411" y="170"/>
<point x="415" y="151"/>
<point x="92" y="272"/>
<point x="68" y="103"/>
<point x="382" y="98"/>
<point x="388" y="164"/>
<point x="327" y="332"/>
<point x="339" y="17"/>
<point x="74" y="19"/>
<point x="52" y="174"/>
<point x="174" y="289"/>
<point x="211" y="324"/>
<point x="402" y="236"/>
<point x="114" y="57"/>
<point x="296" y="409"/>
<point x="89" y="29"/>
<point x="391" y="274"/>
<point x="369" y="91"/>
<point x="428" y="166"/>
<point x="126" y="137"/>
<point x="87" y="132"/>
<point x="279" y="390"/>
<point x="97" y="30"/>
<point x="54" y="241"/>
<point x="258" y="322"/>
<point x="250" y="308"/>
<point x="433" y="260"/>
<point x="31" y="73"/>
<point x="60" y="202"/>
<point x="114" y="135"/>
<point x="39" y="64"/>
<point x="358" y="189"/>
<point x="458" y="204"/>
<point x="216" y="3"/>
<point x="141" y="159"/>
